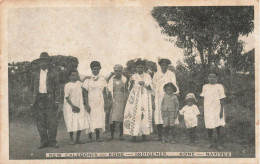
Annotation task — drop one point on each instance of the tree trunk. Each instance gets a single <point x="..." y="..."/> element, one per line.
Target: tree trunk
<point x="200" y="49"/>
<point x="209" y="56"/>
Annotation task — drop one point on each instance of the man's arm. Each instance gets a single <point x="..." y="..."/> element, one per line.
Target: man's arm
<point x="57" y="87"/>
<point x="176" y="107"/>
<point x="32" y="88"/>
<point x="222" y="103"/>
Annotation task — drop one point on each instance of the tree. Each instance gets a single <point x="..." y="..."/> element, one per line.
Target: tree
<point x="19" y="76"/>
<point x="213" y="32"/>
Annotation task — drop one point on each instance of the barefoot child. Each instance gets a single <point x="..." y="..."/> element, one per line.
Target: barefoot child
<point x="190" y="112"/>
<point x="169" y="108"/>
<point x="75" y="115"/>
<point x="214" y="96"/>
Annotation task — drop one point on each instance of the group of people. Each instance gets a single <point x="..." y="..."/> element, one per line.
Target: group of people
<point x="129" y="102"/>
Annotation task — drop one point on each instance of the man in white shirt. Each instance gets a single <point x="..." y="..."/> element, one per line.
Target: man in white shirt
<point x="46" y="96"/>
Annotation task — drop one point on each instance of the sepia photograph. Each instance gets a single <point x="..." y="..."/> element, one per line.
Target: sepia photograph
<point x="131" y="82"/>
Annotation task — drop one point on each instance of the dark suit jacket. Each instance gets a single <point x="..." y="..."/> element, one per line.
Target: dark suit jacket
<point x="53" y="85"/>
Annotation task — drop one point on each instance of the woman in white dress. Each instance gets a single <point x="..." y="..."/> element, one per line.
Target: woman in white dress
<point x="214" y="97"/>
<point x="161" y="78"/>
<point x="96" y="96"/>
<point x="75" y="115"/>
<point x="138" y="110"/>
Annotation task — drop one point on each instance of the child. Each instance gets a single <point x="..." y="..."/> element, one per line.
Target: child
<point x="169" y="108"/>
<point x="214" y="95"/>
<point x="190" y="112"/>
<point x="76" y="118"/>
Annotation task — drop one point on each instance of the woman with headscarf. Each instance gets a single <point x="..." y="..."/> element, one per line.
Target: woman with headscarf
<point x="96" y="99"/>
<point x="117" y="87"/>
<point x="138" y="110"/>
<point x="162" y="77"/>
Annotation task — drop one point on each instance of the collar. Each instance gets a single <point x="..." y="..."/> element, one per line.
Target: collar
<point x="44" y="70"/>
<point x="95" y="77"/>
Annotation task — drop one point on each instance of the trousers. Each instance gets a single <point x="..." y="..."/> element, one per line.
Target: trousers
<point x="46" y="118"/>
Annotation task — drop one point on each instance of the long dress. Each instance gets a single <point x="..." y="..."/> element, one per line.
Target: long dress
<point x="212" y="95"/>
<point x="138" y="110"/>
<point x="118" y="91"/>
<point x="159" y="80"/>
<point x="75" y="121"/>
<point x="95" y="86"/>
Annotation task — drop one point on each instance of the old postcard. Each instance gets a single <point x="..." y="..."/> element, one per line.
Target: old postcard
<point x="129" y="81"/>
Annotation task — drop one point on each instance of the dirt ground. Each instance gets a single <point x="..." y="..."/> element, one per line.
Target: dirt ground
<point x="24" y="140"/>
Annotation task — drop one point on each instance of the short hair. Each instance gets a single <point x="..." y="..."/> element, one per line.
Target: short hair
<point x="213" y="72"/>
<point x="139" y="62"/>
<point x="170" y="85"/>
<point x="95" y="64"/>
<point x="164" y="60"/>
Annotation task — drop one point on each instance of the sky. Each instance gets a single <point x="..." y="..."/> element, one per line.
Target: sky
<point x="109" y="35"/>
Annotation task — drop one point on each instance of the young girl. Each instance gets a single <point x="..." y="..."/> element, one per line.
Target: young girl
<point x="190" y="112"/>
<point x="214" y="96"/>
<point x="75" y="115"/>
<point x="169" y="109"/>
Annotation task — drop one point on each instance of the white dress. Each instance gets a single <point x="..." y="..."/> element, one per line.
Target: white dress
<point x="212" y="95"/>
<point x="138" y="110"/>
<point x="75" y="121"/>
<point x="159" y="80"/>
<point x="95" y="86"/>
<point x="190" y="115"/>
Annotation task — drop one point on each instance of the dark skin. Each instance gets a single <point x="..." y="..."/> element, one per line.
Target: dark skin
<point x="212" y="78"/>
<point x="44" y="64"/>
<point x="95" y="71"/>
<point x="74" y="77"/>
<point x="169" y="91"/>
<point x="139" y="70"/>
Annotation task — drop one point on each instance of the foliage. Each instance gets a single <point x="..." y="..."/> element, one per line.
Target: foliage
<point x="130" y="68"/>
<point x="213" y="32"/>
<point x="19" y="77"/>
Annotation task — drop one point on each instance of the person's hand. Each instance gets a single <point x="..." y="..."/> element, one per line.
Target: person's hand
<point x="56" y="105"/>
<point x="87" y="77"/>
<point x="141" y="83"/>
<point x="221" y="114"/>
<point x="75" y="109"/>
<point x="88" y="109"/>
<point x="112" y="73"/>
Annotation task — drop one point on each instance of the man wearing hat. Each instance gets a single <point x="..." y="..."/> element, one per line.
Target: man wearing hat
<point x="46" y="97"/>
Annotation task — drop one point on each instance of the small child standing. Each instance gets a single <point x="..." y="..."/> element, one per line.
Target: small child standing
<point x="75" y="115"/>
<point x="170" y="109"/>
<point x="214" y="96"/>
<point x="190" y="112"/>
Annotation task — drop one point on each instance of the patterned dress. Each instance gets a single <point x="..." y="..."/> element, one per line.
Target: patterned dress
<point x="138" y="110"/>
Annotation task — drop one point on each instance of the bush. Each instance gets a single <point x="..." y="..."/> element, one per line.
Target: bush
<point x="240" y="101"/>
